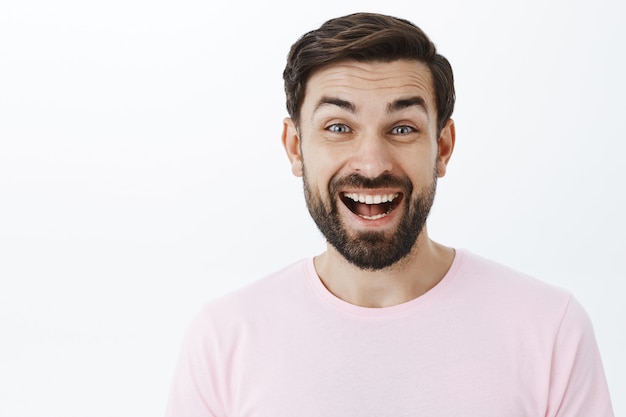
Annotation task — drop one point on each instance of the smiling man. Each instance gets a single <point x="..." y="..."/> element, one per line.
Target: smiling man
<point x="385" y="322"/>
<point x="369" y="147"/>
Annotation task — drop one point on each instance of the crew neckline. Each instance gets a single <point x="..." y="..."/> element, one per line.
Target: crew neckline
<point x="383" y="312"/>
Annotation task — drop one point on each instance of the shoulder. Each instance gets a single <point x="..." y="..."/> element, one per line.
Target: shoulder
<point x="267" y="289"/>
<point x="514" y="303"/>
<point x="511" y="293"/>
<point x="256" y="299"/>
<point x="490" y="276"/>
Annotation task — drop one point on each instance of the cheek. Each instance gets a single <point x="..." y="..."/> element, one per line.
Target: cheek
<point x="422" y="177"/>
<point x="320" y="169"/>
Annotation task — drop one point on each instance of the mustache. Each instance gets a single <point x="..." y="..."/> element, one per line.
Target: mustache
<point x="355" y="180"/>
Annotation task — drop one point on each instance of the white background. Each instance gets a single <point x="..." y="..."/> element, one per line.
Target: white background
<point x="141" y="173"/>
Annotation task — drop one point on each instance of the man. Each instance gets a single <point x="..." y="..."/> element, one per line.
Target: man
<point x="385" y="322"/>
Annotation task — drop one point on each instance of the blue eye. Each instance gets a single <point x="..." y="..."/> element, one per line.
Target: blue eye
<point x="338" y="128"/>
<point x="402" y="130"/>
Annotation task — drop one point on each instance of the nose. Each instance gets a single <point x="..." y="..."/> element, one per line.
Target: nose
<point x="372" y="156"/>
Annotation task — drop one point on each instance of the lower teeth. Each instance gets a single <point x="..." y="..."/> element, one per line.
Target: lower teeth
<point x="376" y="217"/>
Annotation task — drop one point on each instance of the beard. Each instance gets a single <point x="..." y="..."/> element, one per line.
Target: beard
<point x="371" y="250"/>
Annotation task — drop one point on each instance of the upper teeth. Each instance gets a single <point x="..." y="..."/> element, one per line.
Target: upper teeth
<point x="371" y="199"/>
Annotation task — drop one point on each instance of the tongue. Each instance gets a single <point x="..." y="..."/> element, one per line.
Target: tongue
<point x="370" y="210"/>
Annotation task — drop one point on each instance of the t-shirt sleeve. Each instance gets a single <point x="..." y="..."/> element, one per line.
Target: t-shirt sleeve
<point x="196" y="390"/>
<point x="578" y="385"/>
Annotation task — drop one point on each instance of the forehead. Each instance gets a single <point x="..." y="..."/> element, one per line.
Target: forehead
<point x="355" y="80"/>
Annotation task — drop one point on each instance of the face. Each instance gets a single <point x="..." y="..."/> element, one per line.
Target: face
<point x="369" y="153"/>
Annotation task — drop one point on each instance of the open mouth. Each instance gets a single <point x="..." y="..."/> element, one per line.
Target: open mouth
<point x="371" y="206"/>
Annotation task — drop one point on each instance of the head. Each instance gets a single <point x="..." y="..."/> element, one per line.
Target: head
<point x="370" y="132"/>
<point x="366" y="37"/>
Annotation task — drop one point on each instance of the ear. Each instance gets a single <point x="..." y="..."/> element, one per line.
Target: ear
<point x="446" y="141"/>
<point x="291" y="143"/>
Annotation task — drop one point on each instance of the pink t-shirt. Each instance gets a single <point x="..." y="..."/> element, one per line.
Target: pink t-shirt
<point x="485" y="342"/>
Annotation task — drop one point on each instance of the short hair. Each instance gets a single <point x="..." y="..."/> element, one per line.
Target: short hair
<point x="366" y="37"/>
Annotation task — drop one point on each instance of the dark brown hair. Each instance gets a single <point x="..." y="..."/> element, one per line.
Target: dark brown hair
<point x="366" y="37"/>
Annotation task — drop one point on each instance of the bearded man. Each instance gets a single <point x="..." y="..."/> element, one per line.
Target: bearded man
<point x="385" y="322"/>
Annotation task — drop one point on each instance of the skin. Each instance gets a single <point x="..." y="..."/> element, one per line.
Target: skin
<point x="373" y="118"/>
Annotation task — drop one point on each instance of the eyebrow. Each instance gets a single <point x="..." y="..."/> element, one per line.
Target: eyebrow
<point x="335" y="101"/>
<point x="406" y="103"/>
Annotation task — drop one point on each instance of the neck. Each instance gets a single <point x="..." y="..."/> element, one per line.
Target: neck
<point x="420" y="271"/>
